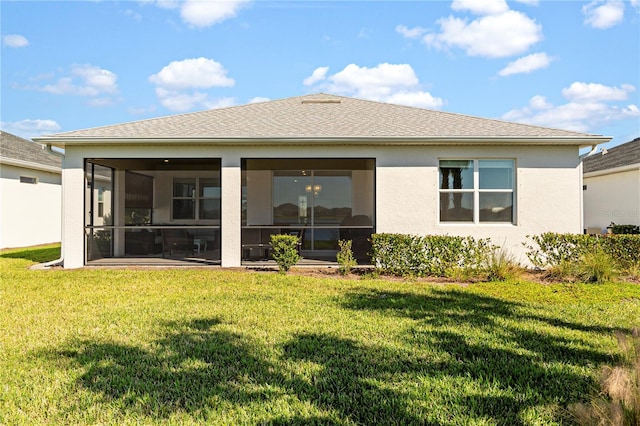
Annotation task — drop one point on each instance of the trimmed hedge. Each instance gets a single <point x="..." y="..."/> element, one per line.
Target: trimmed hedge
<point x="433" y="255"/>
<point x="555" y="249"/>
<point x="624" y="229"/>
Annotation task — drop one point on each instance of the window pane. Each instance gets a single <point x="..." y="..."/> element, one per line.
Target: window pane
<point x="456" y="174"/>
<point x="331" y="197"/>
<point x="292" y="197"/>
<point x="210" y="188"/>
<point x="496" y="174"/>
<point x="325" y="239"/>
<point x="210" y="209"/>
<point x="456" y="207"/>
<point x="184" y="187"/>
<point x="184" y="209"/>
<point x="496" y="207"/>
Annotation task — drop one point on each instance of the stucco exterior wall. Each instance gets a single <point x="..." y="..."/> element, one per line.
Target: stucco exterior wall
<point x="612" y="197"/>
<point x="30" y="214"/>
<point x="548" y="188"/>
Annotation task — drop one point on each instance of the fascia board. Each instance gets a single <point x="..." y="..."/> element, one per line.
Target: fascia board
<point x="30" y="165"/>
<point x="581" y="142"/>
<point x="613" y="170"/>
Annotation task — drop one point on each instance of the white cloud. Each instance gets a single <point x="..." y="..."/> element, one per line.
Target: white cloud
<point x="417" y="99"/>
<point x="14" y="40"/>
<point x="178" y="101"/>
<point x="394" y="83"/>
<point x="589" y="107"/>
<point x="258" y="99"/>
<point x="177" y="84"/>
<point x="192" y="73"/>
<point x="203" y="13"/>
<point x="377" y="82"/>
<point x="410" y="32"/>
<point x="318" y="74"/>
<point x="603" y="14"/>
<point x="492" y="36"/>
<point x="529" y="2"/>
<point x="484" y="7"/>
<point x="594" y="92"/>
<point x="83" y="80"/>
<point x="29" y="128"/>
<point x="539" y="102"/>
<point x="526" y="64"/>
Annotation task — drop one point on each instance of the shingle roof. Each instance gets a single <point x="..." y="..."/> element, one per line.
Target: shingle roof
<point x="318" y="116"/>
<point x="621" y="155"/>
<point x="17" y="148"/>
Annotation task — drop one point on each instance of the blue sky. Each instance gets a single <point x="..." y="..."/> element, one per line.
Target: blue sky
<point x="568" y="64"/>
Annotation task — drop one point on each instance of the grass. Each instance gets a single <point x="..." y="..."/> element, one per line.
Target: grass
<point x="169" y="346"/>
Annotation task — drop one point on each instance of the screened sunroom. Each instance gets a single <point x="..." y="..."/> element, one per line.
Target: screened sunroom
<point x="321" y="201"/>
<point x="137" y="210"/>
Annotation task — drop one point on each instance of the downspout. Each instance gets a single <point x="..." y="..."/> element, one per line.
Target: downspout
<point x="60" y="260"/>
<point x="594" y="148"/>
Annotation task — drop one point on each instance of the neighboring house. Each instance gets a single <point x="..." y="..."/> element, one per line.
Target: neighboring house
<point x="30" y="193"/>
<point x="612" y="187"/>
<point x="212" y="186"/>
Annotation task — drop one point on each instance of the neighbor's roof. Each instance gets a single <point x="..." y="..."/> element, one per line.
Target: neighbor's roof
<point x="622" y="155"/>
<point x="319" y="116"/>
<point x="17" y="151"/>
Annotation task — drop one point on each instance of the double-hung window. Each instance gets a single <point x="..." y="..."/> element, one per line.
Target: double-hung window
<point x="196" y="199"/>
<point x="477" y="191"/>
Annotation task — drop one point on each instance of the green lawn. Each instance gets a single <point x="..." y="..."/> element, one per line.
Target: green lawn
<point x="214" y="346"/>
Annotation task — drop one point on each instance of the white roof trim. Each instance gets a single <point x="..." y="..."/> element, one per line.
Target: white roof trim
<point x="60" y="141"/>
<point x="30" y="165"/>
<point x="613" y="170"/>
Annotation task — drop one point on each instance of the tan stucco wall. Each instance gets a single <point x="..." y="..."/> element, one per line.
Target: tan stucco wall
<point x="548" y="183"/>
<point x="30" y="214"/>
<point x="612" y="197"/>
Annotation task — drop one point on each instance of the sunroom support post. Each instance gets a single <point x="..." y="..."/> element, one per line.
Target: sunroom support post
<point x="73" y="215"/>
<point x="231" y="210"/>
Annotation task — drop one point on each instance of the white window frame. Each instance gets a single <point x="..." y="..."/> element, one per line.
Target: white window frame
<point x="476" y="191"/>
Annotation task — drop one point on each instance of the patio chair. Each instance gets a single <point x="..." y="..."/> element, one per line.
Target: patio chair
<point x="176" y="240"/>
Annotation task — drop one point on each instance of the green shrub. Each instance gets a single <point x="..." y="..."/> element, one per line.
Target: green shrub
<point x="624" y="229"/>
<point x="433" y="255"/>
<point x="585" y="257"/>
<point x="596" y="266"/>
<point x="625" y="249"/>
<point x="285" y="251"/>
<point x="345" y="258"/>
<point x="555" y="249"/>
<point x="502" y="266"/>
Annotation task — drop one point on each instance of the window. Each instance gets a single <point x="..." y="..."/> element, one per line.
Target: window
<point x="476" y="191"/>
<point x="196" y="199"/>
<point x="28" y="179"/>
<point x="100" y="202"/>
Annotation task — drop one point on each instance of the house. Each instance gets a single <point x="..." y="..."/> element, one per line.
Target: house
<point x="212" y="186"/>
<point x="30" y="193"/>
<point x="612" y="187"/>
